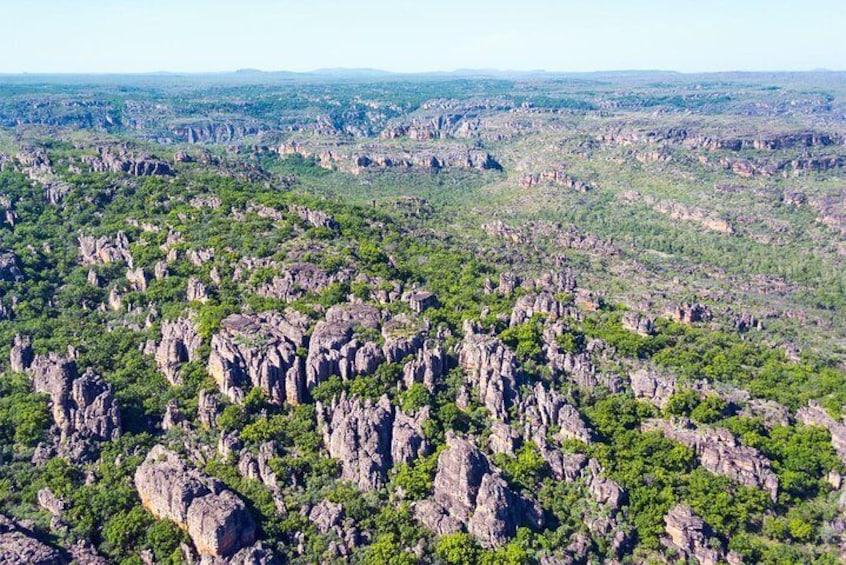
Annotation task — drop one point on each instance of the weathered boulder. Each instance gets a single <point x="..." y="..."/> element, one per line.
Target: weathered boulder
<point x="326" y="515"/>
<point x="638" y="323"/>
<point x="369" y="438"/>
<point x="105" y="250"/>
<point x="720" y="453"/>
<point x="215" y="518"/>
<point x="546" y="408"/>
<point x="260" y="350"/>
<point x="470" y="492"/>
<point x="649" y="386"/>
<point x="83" y="406"/>
<point x="333" y="344"/>
<point x="689" y="313"/>
<point x="19" y="547"/>
<point x="179" y="344"/>
<point x="208" y="407"/>
<point x="691" y="538"/>
<point x="20" y="356"/>
<point x="543" y="303"/>
<point x="492" y="370"/>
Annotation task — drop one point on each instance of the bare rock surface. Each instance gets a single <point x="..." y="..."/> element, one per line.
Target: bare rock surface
<point x="179" y="345"/>
<point x="19" y="547"/>
<point x="470" y="493"/>
<point x="720" y="452"/>
<point x="215" y="518"/>
<point x="492" y="370"/>
<point x="260" y="350"/>
<point x="691" y="538"/>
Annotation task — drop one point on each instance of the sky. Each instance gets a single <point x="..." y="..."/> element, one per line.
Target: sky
<point x="84" y="36"/>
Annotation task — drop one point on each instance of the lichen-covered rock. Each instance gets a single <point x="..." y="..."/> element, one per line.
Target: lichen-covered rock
<point x="260" y="350"/>
<point x="469" y="492"/>
<point x="19" y="547"/>
<point x="216" y="519"/>
<point x="179" y="344"/>
<point x="720" y="453"/>
<point x="492" y="369"/>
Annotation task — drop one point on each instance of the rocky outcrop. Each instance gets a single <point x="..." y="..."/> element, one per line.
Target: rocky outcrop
<point x="120" y="160"/>
<point x="639" y="323"/>
<point x="196" y="291"/>
<point x="544" y="304"/>
<point x="653" y="388"/>
<point x="689" y="313"/>
<point x="179" y="344"/>
<point x="20" y="356"/>
<point x="554" y="177"/>
<point x="691" y="538"/>
<point x="260" y="350"/>
<point x="719" y="452"/>
<point x="491" y="369"/>
<point x="208" y="407"/>
<point x="545" y="409"/>
<point x="428" y="365"/>
<point x="316" y="218"/>
<point x="82" y="406"/>
<point x="578" y="367"/>
<point x="333" y="347"/>
<point x="9" y="269"/>
<point x="292" y="281"/>
<point x="105" y="250"/>
<point x="470" y="493"/>
<point x="217" y="521"/>
<point x="19" y="547"/>
<point x="357" y="160"/>
<point x="678" y="211"/>
<point x="369" y="438"/>
<point x="815" y="415"/>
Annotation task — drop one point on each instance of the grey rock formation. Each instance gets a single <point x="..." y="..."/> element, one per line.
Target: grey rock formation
<point x="649" y="386"/>
<point x="720" y="453"/>
<point x="137" y="279"/>
<point x="9" y="269"/>
<point x="369" y="438"/>
<point x="208" y="407"/>
<point x="20" y="356"/>
<point x="82" y="406"/>
<point x="470" y="493"/>
<point x="119" y="160"/>
<point x="639" y="323"/>
<point x="196" y="291"/>
<point x="492" y="370"/>
<point x="105" y="250"/>
<point x="544" y="409"/>
<point x="815" y="415"/>
<point x="260" y="350"/>
<point x="543" y="303"/>
<point x="427" y="367"/>
<point x="215" y="518"/>
<point x="316" y="218"/>
<point x="326" y="515"/>
<point x="19" y="547"/>
<point x="333" y="345"/>
<point x="691" y="538"/>
<point x="179" y="345"/>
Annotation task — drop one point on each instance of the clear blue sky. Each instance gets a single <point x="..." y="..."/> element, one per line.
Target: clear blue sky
<point x="400" y="35"/>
